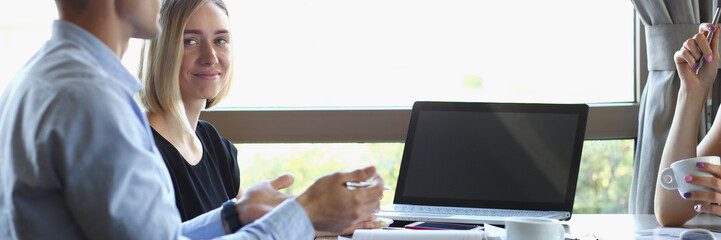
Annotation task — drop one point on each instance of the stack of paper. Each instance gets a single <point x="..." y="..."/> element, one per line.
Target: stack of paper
<point x="365" y="234"/>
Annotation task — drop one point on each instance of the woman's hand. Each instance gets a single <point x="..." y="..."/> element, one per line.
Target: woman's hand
<point x="713" y="183"/>
<point x="689" y="57"/>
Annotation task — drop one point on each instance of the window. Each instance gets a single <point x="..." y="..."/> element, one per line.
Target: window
<point x="368" y="62"/>
<point x="603" y="182"/>
<point x="326" y="53"/>
<point x="342" y="75"/>
<point x="24" y="28"/>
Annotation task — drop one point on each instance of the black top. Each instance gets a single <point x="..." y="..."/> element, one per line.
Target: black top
<point x="205" y="186"/>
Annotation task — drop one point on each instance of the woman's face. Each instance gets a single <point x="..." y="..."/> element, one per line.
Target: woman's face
<point x="206" y="55"/>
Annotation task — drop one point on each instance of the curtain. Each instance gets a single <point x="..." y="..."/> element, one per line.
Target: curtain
<point x="668" y="24"/>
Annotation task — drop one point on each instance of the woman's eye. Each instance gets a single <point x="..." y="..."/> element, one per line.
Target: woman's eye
<point x="190" y="42"/>
<point x="221" y="41"/>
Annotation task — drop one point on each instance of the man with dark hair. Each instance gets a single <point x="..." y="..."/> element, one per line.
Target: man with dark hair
<point x="78" y="161"/>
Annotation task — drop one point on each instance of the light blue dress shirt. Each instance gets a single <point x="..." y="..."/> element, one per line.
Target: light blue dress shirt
<point x="78" y="161"/>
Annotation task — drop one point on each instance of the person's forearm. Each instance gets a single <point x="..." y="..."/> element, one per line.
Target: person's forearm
<point x="683" y="135"/>
<point x="670" y="207"/>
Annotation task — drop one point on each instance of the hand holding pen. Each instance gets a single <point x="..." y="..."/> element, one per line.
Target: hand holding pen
<point x="693" y="82"/>
<point x="332" y="207"/>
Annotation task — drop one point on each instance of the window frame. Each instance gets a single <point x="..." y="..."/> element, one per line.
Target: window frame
<point x="247" y="125"/>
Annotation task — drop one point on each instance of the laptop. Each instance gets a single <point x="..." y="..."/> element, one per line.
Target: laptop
<point x="479" y="163"/>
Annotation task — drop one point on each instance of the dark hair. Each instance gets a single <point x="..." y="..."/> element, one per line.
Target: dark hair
<point x="74" y="5"/>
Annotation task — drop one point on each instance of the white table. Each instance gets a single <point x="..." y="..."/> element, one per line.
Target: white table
<point x="624" y="226"/>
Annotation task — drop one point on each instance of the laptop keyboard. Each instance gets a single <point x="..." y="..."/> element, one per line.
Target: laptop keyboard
<point x="468" y="211"/>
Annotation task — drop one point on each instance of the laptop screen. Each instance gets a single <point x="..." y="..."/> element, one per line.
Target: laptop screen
<point x="492" y="155"/>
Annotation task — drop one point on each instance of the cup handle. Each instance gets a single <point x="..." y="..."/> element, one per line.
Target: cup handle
<point x="667" y="173"/>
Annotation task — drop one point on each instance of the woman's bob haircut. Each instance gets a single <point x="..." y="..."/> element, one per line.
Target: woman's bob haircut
<point x="161" y="59"/>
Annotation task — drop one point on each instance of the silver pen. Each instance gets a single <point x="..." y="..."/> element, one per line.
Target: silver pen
<point x="354" y="185"/>
<point x="714" y="21"/>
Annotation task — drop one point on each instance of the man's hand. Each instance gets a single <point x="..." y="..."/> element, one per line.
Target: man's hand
<point x="332" y="207"/>
<point x="369" y="223"/>
<point x="262" y="197"/>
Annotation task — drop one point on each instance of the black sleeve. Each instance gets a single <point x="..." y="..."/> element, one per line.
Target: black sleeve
<point x="227" y="157"/>
<point x="233" y="167"/>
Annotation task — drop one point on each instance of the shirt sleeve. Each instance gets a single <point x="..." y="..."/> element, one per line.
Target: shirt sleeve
<point x="205" y="226"/>
<point x="287" y="221"/>
<point x="233" y="167"/>
<point x="114" y="183"/>
<point x="227" y="155"/>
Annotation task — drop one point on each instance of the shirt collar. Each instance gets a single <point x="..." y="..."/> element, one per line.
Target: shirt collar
<point x="104" y="57"/>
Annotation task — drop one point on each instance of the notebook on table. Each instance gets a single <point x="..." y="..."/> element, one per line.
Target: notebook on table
<point x="482" y="162"/>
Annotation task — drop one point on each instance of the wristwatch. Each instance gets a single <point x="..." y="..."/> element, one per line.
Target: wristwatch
<point x="231" y="221"/>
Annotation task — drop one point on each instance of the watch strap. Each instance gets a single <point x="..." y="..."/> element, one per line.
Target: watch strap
<point x="231" y="221"/>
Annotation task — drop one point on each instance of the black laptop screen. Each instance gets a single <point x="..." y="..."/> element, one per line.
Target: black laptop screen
<point x="492" y="155"/>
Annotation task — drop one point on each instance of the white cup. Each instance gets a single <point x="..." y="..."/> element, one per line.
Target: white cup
<point x="533" y="228"/>
<point x="673" y="177"/>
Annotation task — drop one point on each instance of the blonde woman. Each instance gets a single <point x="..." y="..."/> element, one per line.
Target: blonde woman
<point x="187" y="69"/>
<point x="201" y="163"/>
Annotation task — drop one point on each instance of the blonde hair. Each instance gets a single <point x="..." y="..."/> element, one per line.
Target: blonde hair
<point x="160" y="64"/>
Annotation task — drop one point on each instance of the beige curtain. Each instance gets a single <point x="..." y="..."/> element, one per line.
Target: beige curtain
<point x="668" y="24"/>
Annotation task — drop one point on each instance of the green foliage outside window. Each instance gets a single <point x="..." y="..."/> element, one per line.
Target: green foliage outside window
<point x="603" y="183"/>
<point x="604" y="179"/>
<point x="308" y="162"/>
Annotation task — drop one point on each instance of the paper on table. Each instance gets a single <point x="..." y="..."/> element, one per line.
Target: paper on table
<point x="365" y="234"/>
<point x="663" y="233"/>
